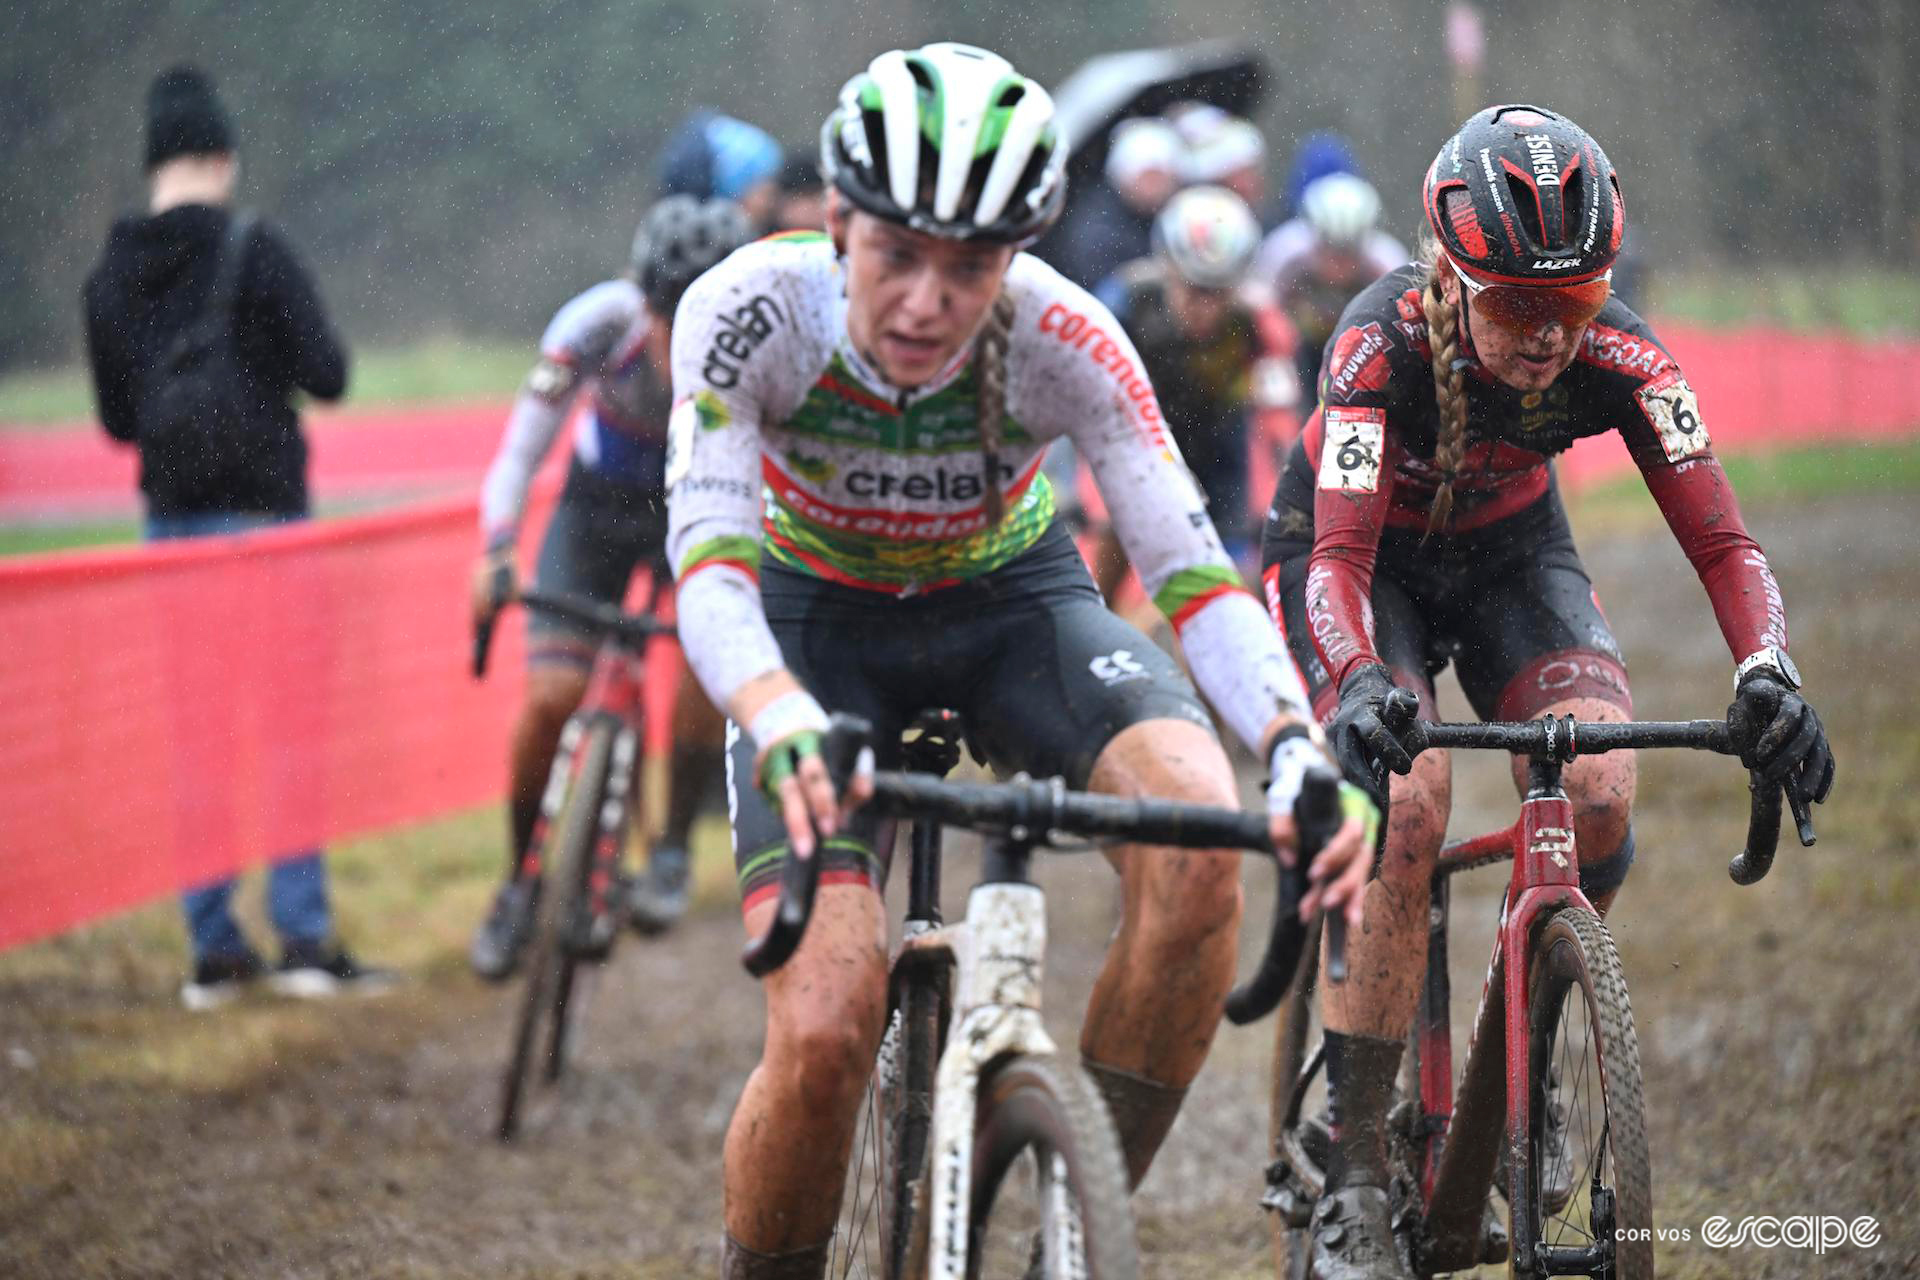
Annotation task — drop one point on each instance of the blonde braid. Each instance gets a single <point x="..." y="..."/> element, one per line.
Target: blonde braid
<point x="1450" y="392"/>
<point x="990" y="401"/>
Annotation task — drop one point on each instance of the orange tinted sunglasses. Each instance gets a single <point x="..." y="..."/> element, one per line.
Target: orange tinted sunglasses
<point x="1526" y="309"/>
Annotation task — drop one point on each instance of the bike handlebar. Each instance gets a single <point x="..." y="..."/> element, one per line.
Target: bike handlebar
<point x="1563" y="739"/>
<point x="629" y="630"/>
<point x="1031" y="811"/>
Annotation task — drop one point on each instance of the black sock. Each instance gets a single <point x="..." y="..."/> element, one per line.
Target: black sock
<point x="692" y="768"/>
<point x="1360" y="1075"/>
<point x="523" y="812"/>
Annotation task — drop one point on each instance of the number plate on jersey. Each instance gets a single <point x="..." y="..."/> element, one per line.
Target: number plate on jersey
<point x="1670" y="406"/>
<point x="1351" y="449"/>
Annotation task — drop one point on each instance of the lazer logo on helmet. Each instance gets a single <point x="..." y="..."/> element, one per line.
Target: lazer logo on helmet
<point x="1546" y="169"/>
<point x="1549" y="264"/>
<point x="741" y="330"/>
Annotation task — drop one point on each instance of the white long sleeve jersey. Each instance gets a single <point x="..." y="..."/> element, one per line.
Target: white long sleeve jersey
<point x="784" y="442"/>
<point x="597" y="340"/>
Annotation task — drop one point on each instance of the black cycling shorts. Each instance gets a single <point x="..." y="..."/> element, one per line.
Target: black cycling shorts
<point x="1042" y="674"/>
<point x="1509" y="604"/>
<point x="600" y="534"/>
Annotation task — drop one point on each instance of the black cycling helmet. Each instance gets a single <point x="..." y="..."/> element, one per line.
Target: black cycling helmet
<point x="1522" y="195"/>
<point x="678" y="240"/>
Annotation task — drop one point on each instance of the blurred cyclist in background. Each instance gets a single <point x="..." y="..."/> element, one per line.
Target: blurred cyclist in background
<point x="1314" y="157"/>
<point x="1223" y="150"/>
<point x="715" y="157"/>
<point x="611" y="520"/>
<point x="1112" y="223"/>
<point x="1220" y="355"/>
<point x="1318" y="261"/>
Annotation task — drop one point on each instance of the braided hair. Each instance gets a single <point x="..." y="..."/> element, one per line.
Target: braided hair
<point x="990" y="401"/>
<point x="1449" y="386"/>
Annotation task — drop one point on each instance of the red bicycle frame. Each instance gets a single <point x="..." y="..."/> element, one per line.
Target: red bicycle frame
<point x="1545" y="878"/>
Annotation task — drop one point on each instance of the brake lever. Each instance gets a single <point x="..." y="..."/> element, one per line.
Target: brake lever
<point x="845" y="741"/>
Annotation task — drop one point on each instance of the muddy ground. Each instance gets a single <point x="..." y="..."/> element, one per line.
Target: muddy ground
<point x="1779" y="1026"/>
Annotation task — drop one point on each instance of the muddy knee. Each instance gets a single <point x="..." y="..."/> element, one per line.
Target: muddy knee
<point x="1417" y="821"/>
<point x="824" y="1057"/>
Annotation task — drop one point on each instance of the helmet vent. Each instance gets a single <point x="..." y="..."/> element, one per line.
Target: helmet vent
<point x="1526" y="207"/>
<point x="1457" y="207"/>
<point x="1573" y="203"/>
<point x="1010" y="95"/>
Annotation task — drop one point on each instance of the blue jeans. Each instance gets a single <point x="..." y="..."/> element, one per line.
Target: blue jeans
<point x="297" y="882"/>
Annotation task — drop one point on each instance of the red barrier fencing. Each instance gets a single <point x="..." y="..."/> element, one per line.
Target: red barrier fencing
<point x="172" y="712"/>
<point x="71" y="472"/>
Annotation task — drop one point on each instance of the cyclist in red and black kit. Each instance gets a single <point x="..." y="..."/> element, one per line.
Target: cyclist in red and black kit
<point x="1418" y="522"/>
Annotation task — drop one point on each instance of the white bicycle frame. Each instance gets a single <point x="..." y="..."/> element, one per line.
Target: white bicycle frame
<point x="999" y="953"/>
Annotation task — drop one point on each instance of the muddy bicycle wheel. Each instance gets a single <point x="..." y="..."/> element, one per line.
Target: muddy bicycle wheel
<point x="882" y="1230"/>
<point x="1069" y="1216"/>
<point x="1588" y="1185"/>
<point x="551" y="963"/>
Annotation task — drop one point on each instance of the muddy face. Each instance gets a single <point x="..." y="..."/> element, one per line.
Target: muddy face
<point x="913" y="300"/>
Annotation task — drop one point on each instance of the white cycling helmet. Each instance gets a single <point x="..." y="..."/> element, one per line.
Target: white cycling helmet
<point x="950" y="140"/>
<point x="1341" y="208"/>
<point x="1208" y="236"/>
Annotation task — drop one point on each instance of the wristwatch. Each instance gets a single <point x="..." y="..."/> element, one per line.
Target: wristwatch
<point x="1772" y="658"/>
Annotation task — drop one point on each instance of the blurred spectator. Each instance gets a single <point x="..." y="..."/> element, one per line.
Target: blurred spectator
<point x="1220" y="357"/>
<point x="803" y="197"/>
<point x="1112" y="223"/>
<point x="200" y="325"/>
<point x="1316" y="262"/>
<point x="715" y="157"/>
<point x="1226" y="151"/>
<point x="1318" y="155"/>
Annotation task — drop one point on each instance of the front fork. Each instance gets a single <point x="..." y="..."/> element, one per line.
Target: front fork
<point x="999" y="952"/>
<point x="1460" y="1159"/>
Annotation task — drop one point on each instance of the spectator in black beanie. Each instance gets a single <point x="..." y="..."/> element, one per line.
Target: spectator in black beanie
<point x="235" y="458"/>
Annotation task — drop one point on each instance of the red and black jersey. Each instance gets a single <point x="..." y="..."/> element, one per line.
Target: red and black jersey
<point x="1364" y="461"/>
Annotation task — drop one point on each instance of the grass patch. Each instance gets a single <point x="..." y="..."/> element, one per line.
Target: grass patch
<point x="439" y="369"/>
<point x="104" y="999"/>
<point x="1782" y="475"/>
<point x="1866" y="302"/>
<point x="27" y="539"/>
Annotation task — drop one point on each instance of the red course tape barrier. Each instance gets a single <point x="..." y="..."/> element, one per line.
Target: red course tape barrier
<point x="174" y="711"/>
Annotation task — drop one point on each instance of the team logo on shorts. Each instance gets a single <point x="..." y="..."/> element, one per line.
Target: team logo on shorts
<point x="1670" y="406"/>
<point x="1117" y="667"/>
<point x="1350" y="454"/>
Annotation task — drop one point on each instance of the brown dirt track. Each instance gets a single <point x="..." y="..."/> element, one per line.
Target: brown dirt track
<point x="1779" y="1026"/>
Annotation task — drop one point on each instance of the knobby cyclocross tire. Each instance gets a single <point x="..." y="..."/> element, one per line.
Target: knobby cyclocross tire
<point x="1574" y="964"/>
<point x="1046" y="1106"/>
<point x="564" y="876"/>
<point x="885" y="1217"/>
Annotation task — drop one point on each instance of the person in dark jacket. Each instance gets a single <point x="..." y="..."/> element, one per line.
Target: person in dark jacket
<point x="154" y="279"/>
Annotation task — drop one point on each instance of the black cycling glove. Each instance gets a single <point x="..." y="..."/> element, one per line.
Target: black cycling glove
<point x="1776" y="732"/>
<point x="1367" y="735"/>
